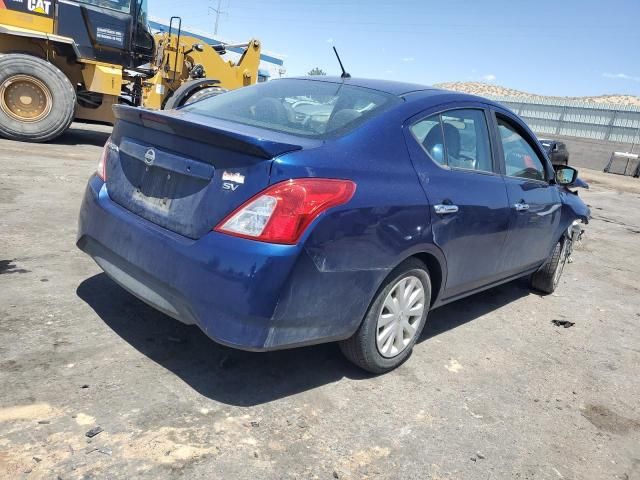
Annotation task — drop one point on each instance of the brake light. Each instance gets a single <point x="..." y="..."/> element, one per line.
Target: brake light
<point x="102" y="163"/>
<point x="282" y="212"/>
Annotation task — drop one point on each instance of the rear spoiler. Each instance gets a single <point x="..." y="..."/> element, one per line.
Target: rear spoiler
<point x="207" y="130"/>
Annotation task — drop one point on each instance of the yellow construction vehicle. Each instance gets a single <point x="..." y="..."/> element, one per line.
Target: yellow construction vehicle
<point x="62" y="60"/>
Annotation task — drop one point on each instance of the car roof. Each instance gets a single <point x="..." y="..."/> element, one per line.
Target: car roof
<point x="409" y="91"/>
<point x="388" y="86"/>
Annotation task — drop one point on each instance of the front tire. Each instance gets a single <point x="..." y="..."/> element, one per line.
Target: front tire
<point x="37" y="100"/>
<point x="204" y="93"/>
<point x="546" y="279"/>
<point x="394" y="320"/>
<point x="190" y="92"/>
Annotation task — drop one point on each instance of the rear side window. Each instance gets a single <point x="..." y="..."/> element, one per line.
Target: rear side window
<point x="428" y="132"/>
<point x="519" y="157"/>
<point x="300" y="107"/>
<point x="456" y="139"/>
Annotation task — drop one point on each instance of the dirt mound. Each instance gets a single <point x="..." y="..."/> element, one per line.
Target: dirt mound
<point x="489" y="89"/>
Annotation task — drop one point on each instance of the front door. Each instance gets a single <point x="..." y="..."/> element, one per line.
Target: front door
<point x="535" y="203"/>
<point x="470" y="210"/>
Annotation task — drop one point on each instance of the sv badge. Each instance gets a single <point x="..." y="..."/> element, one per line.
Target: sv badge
<point x="230" y="186"/>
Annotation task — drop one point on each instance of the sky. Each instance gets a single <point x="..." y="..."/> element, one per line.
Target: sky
<point x="548" y="47"/>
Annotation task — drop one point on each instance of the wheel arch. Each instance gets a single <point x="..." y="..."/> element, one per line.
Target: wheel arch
<point x="34" y="42"/>
<point x="435" y="263"/>
<point x="434" y="268"/>
<point x="60" y="52"/>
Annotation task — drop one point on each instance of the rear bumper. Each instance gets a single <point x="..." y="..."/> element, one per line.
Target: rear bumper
<point x="241" y="293"/>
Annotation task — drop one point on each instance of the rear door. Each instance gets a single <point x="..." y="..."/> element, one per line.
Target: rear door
<point x="452" y="153"/>
<point x="535" y="204"/>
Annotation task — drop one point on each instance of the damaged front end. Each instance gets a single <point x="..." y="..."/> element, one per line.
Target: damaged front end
<point x="578" y="215"/>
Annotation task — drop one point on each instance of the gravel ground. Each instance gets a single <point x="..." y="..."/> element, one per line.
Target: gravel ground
<point x="493" y="390"/>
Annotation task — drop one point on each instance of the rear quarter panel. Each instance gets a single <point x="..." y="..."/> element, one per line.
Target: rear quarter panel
<point x="350" y="250"/>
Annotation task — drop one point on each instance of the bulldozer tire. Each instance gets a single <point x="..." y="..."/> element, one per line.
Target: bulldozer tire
<point x="204" y="93"/>
<point x="37" y="100"/>
<point x="193" y="91"/>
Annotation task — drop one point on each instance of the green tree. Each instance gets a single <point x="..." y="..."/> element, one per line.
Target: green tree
<point x="317" y="71"/>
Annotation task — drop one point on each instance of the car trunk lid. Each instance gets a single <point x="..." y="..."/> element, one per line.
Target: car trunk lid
<point x="186" y="172"/>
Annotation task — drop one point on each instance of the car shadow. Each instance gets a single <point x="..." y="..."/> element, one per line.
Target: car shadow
<point x="470" y="308"/>
<point x="240" y="378"/>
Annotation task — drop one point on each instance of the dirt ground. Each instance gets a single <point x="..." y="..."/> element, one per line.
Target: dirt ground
<point x="494" y="390"/>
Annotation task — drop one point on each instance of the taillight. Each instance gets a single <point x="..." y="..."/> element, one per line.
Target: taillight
<point x="102" y="164"/>
<point x="282" y="212"/>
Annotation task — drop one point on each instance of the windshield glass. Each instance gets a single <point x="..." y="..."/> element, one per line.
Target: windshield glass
<point x="300" y="107"/>
<point x="142" y="12"/>
<point x="119" y="5"/>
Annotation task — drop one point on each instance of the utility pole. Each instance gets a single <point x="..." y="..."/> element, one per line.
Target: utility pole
<point x="218" y="12"/>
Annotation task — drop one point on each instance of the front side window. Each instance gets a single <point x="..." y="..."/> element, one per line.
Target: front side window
<point x="119" y="5"/>
<point x="300" y="107"/>
<point x="519" y="157"/>
<point x="457" y="139"/>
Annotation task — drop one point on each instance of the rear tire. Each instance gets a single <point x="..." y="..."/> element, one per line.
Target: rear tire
<point x="369" y="348"/>
<point x="546" y="279"/>
<point x="37" y="100"/>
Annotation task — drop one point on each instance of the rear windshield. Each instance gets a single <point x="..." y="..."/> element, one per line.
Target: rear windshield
<point x="300" y="107"/>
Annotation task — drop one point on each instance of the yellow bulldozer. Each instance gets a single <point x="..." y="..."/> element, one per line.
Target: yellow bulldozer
<point x="62" y="60"/>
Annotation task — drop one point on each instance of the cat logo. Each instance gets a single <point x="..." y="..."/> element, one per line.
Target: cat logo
<point x="39" y="6"/>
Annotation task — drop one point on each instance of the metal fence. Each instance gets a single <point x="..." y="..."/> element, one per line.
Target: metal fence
<point x="614" y="123"/>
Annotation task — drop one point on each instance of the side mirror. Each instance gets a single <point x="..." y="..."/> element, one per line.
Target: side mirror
<point x="566" y="175"/>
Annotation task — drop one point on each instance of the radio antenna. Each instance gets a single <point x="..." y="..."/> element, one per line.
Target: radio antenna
<point x="344" y="72"/>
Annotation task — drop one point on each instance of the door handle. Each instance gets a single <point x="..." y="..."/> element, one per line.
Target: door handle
<point x="521" y="206"/>
<point x="445" y="209"/>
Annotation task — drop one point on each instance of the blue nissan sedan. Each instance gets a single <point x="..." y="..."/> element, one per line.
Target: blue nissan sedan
<point x="302" y="211"/>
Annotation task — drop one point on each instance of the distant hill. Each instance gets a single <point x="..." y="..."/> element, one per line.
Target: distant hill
<point x="486" y="89"/>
